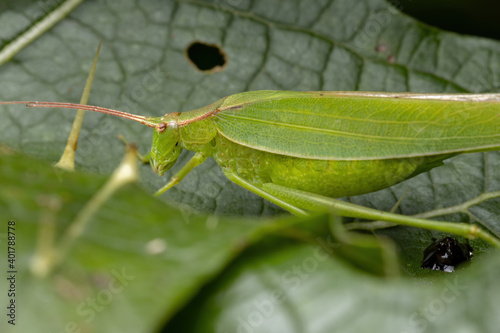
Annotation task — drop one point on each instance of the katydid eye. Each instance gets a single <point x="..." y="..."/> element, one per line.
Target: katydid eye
<point x="161" y="127"/>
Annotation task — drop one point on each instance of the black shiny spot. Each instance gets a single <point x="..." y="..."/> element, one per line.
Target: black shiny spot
<point x="445" y="254"/>
<point x="206" y="57"/>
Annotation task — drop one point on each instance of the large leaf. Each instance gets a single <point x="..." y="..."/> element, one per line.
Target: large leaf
<point x="296" y="45"/>
<point x="137" y="263"/>
<point x="295" y="289"/>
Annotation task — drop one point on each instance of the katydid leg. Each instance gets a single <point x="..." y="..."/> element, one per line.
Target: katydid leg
<point x="316" y="202"/>
<point x="235" y="178"/>
<point x="196" y="160"/>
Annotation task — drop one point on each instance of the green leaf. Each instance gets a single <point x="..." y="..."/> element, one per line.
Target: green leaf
<point x="298" y="289"/>
<point x="295" y="45"/>
<point x="136" y="264"/>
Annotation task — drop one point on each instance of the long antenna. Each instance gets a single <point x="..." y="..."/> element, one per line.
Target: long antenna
<point x="36" y="104"/>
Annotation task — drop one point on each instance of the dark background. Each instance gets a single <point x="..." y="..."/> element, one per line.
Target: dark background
<point x="472" y="17"/>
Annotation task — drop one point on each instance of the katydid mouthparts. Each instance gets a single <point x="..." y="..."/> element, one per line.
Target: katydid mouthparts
<point x="285" y="145"/>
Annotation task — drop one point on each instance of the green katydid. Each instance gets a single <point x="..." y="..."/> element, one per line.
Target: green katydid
<point x="300" y="150"/>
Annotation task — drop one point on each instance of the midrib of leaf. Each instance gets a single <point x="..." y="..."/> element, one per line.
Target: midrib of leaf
<point x="460" y="208"/>
<point x="37" y="30"/>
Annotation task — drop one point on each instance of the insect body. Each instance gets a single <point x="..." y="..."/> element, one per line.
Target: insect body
<point x="445" y="254"/>
<point x="332" y="144"/>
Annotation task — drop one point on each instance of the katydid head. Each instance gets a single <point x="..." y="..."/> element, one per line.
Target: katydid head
<point x="165" y="149"/>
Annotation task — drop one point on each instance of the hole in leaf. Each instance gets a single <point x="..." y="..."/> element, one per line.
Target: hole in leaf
<point x="206" y="57"/>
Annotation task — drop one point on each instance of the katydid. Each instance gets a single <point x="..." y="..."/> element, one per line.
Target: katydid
<point x="301" y="149"/>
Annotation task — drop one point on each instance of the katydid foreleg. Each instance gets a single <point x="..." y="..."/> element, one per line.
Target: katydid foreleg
<point x="196" y="160"/>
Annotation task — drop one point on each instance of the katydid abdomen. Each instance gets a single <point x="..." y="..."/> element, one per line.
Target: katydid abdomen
<point x="330" y="178"/>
